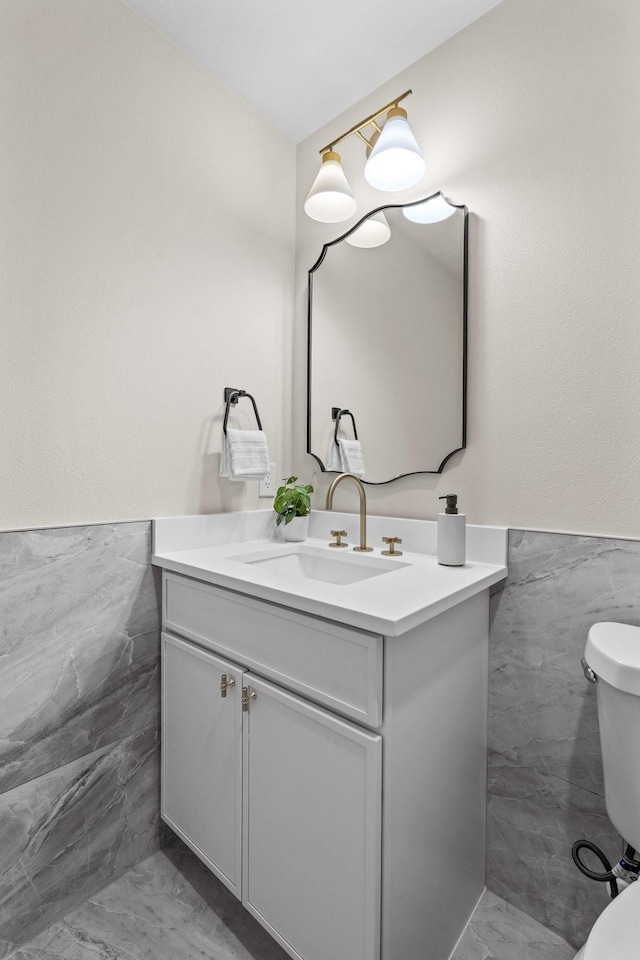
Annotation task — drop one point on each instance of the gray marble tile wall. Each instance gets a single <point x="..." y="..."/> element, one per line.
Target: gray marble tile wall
<point x="545" y="769"/>
<point x="79" y="681"/>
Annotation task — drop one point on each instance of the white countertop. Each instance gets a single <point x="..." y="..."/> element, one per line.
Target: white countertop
<point x="391" y="603"/>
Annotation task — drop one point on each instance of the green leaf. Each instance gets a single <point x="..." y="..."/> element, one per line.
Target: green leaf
<point x="292" y="501"/>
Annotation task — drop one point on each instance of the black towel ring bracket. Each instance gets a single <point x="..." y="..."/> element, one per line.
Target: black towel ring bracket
<point x="336" y="414"/>
<point x="231" y="397"/>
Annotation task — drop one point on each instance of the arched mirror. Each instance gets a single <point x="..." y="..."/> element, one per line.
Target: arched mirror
<point x="387" y="341"/>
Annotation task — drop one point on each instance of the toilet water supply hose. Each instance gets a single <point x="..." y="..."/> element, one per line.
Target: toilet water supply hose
<point x="626" y="870"/>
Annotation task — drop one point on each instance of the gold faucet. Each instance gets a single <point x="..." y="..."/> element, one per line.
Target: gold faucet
<point x="363" y="548"/>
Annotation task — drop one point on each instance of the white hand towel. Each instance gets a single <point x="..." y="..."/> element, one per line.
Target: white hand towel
<point x="351" y="456"/>
<point x="245" y="455"/>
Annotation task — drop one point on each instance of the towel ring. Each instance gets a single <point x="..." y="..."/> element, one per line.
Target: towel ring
<point x="336" y="414"/>
<point x="231" y="396"/>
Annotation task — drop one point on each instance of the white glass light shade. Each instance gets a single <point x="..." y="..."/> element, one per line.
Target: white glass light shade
<point x="396" y="161"/>
<point x="330" y="199"/>
<point x="372" y="233"/>
<point x="430" y="211"/>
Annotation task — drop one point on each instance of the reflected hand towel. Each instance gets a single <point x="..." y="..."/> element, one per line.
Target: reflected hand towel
<point x="351" y="456"/>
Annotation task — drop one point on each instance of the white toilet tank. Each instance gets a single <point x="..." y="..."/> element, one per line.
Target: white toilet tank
<point x="613" y="653"/>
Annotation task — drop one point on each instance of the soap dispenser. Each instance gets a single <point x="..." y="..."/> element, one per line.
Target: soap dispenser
<point x="452" y="533"/>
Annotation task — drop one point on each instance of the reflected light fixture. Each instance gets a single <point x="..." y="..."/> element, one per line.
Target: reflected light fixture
<point x="432" y="210"/>
<point x="372" y="232"/>
<point x="394" y="162"/>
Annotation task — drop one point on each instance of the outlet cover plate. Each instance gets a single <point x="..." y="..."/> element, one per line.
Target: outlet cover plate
<point x="268" y="483"/>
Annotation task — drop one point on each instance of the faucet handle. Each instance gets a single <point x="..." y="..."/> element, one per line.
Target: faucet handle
<point x="391" y="552"/>
<point x="338" y="534"/>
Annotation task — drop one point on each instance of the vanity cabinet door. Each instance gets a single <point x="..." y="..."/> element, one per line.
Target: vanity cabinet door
<point x="312" y="826"/>
<point x="202" y="755"/>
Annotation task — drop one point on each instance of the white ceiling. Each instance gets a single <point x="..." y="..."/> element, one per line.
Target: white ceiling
<point x="300" y="63"/>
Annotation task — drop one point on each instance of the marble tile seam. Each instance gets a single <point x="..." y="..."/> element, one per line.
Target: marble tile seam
<point x="127" y="700"/>
<point x="532" y="832"/>
<point x="506" y="755"/>
<point x="575" y="533"/>
<point x="74" y="831"/>
<point x="93" y="635"/>
<point x="95" y="753"/>
<point x="75" y="526"/>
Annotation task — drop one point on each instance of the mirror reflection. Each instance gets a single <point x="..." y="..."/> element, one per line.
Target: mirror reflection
<point x="387" y="343"/>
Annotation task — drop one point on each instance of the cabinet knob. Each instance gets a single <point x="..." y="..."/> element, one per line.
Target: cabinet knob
<point x="338" y="534"/>
<point x="248" y="694"/>
<point x="391" y="552"/>
<point x="225" y="683"/>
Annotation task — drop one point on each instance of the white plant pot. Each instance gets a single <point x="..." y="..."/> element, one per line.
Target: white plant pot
<point x="296" y="530"/>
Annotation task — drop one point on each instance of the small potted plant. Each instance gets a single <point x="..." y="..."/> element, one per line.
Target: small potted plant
<point x="292" y="505"/>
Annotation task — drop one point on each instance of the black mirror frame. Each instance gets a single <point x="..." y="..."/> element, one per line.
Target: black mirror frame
<point x="465" y="297"/>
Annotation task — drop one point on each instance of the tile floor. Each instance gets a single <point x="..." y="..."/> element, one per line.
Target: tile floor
<point x="498" y="931"/>
<point x="171" y="908"/>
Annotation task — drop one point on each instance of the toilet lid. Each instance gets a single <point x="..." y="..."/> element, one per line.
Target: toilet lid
<point x="616" y="932"/>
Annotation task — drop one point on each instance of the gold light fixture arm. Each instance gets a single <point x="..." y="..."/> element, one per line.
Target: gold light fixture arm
<point x="370" y="121"/>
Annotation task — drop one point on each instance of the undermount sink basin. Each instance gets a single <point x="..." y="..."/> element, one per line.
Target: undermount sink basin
<point x="298" y="562"/>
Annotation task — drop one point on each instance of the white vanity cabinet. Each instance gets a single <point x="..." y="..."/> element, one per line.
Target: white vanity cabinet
<point x="202" y="755"/>
<point x="311" y="865"/>
<point x="278" y="796"/>
<point x="274" y="724"/>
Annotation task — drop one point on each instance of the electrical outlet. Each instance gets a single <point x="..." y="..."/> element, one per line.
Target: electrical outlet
<point x="268" y="483"/>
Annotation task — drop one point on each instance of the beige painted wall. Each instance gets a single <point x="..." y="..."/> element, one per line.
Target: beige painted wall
<point x="146" y="261"/>
<point x="530" y="117"/>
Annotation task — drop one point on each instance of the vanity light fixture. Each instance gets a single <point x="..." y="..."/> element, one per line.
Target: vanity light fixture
<point x="394" y="162"/>
<point x="432" y="210"/>
<point x="372" y="232"/>
<point x="330" y="199"/>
